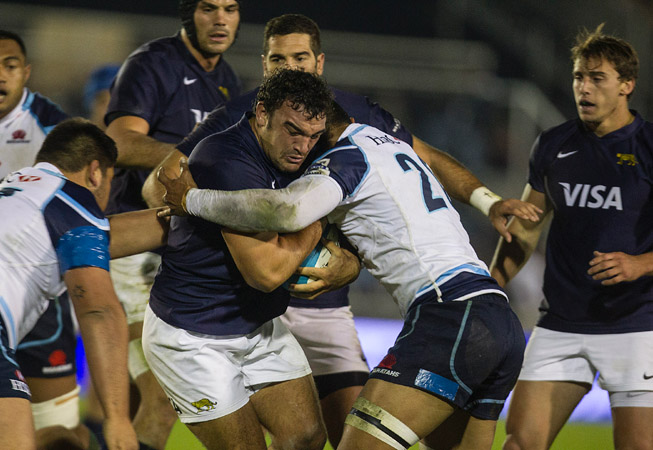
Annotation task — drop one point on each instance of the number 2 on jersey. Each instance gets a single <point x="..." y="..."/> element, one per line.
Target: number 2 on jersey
<point x="432" y="203"/>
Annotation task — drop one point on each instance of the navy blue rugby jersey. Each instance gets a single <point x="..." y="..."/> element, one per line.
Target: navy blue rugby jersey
<point x="199" y="287"/>
<point x="357" y="106"/>
<point x="164" y="84"/>
<point x="601" y="193"/>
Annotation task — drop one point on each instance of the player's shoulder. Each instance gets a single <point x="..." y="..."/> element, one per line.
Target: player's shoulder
<point x="553" y="137"/>
<point x="47" y="112"/>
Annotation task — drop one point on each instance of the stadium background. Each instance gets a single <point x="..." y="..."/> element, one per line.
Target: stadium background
<point x="477" y="78"/>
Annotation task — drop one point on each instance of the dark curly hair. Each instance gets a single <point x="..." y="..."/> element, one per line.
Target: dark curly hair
<point x="595" y="44"/>
<point x="305" y="91"/>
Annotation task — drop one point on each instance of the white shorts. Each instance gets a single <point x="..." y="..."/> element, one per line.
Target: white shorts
<point x="624" y="361"/>
<point x="207" y="377"/>
<point x="133" y="277"/>
<point x="328" y="337"/>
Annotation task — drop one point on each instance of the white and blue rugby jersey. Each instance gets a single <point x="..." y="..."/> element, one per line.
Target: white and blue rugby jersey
<point x="23" y="131"/>
<point x="399" y="218"/>
<point x="49" y="225"/>
<point x="602" y="197"/>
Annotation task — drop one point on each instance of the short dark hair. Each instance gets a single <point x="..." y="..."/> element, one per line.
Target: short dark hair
<point x="4" y="34"/>
<point x="289" y="24"/>
<point x="75" y="143"/>
<point x="595" y="44"/>
<point x="304" y="90"/>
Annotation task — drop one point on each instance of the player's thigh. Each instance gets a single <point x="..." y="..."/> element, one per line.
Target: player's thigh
<point x="539" y="409"/>
<point x="289" y="408"/>
<point x="132" y="278"/>
<point x="239" y="430"/>
<point x="329" y="339"/>
<point x="632" y="427"/>
<point x="16" y="426"/>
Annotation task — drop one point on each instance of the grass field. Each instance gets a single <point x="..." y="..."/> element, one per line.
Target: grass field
<point x="575" y="436"/>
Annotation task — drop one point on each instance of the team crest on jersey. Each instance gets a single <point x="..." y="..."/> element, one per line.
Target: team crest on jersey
<point x="224" y="91"/>
<point x="18" y="137"/>
<point x="204" y="405"/>
<point x="627" y="159"/>
<point x="320" y="167"/>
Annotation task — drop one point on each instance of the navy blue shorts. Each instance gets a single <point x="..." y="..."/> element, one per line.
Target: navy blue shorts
<point x="48" y="351"/>
<point x="12" y="383"/>
<point x="468" y="353"/>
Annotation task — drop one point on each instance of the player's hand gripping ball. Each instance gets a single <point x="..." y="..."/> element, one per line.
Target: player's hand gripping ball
<point x="319" y="257"/>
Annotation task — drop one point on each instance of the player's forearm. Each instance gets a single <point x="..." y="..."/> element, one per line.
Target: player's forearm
<point x="136" y="232"/>
<point x="104" y="333"/>
<point x="139" y="151"/>
<point x="253" y="210"/>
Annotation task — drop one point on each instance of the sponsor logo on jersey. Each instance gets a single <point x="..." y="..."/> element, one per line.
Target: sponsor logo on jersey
<point x="58" y="363"/>
<point x="28" y="178"/>
<point x="595" y="197"/>
<point x="390" y="373"/>
<point x="204" y="405"/>
<point x="565" y="154"/>
<point x="18" y="137"/>
<point x="189" y="81"/>
<point x="19" y="375"/>
<point x="380" y="140"/>
<point x="224" y="92"/>
<point x="397" y="125"/>
<point x="199" y="115"/>
<point x="18" y="385"/>
<point x="647" y="376"/>
<point x="320" y="167"/>
<point x="627" y="159"/>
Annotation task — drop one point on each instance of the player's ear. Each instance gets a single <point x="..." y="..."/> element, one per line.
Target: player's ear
<point x="94" y="175"/>
<point x="28" y="72"/>
<point x="320" y="64"/>
<point x="261" y="115"/>
<point x="627" y="87"/>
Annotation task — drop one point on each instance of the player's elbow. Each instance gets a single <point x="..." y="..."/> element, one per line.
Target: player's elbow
<point x="264" y="282"/>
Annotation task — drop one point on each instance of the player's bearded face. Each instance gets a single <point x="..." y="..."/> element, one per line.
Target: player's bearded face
<point x="216" y="25"/>
<point x="289" y="136"/>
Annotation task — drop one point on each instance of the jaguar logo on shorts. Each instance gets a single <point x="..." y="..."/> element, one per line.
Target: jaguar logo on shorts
<point x="204" y="405"/>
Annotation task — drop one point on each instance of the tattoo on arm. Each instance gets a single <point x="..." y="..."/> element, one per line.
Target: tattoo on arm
<point x="77" y="292"/>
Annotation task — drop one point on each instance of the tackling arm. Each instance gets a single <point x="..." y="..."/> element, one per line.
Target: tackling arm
<point x="510" y="256"/>
<point x="153" y="190"/>
<point x="128" y="236"/>
<point x="304" y="201"/>
<point x="104" y="331"/>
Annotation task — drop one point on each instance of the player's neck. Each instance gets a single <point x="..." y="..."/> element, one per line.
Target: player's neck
<point x="615" y="121"/>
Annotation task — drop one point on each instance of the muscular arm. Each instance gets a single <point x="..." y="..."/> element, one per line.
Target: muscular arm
<point x="135" y="148"/>
<point x="304" y="201"/>
<point x="104" y="331"/>
<point x="268" y="259"/>
<point x="510" y="257"/>
<point x="136" y="232"/>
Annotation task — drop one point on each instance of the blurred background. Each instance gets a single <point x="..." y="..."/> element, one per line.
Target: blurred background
<point x="477" y="78"/>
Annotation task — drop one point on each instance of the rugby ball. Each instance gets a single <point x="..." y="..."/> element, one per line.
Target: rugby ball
<point x="319" y="257"/>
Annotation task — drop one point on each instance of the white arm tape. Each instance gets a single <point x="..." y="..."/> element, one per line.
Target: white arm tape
<point x="482" y="199"/>
<point x="304" y="201"/>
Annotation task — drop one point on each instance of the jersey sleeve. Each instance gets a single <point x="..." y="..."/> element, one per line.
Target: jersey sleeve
<point x="535" y="166"/>
<point x="344" y="165"/>
<point x="85" y="246"/>
<point x="139" y="88"/>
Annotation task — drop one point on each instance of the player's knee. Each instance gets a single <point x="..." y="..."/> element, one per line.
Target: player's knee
<point x="62" y="410"/>
<point x="374" y="420"/>
<point x="516" y="442"/>
<point x="311" y="436"/>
